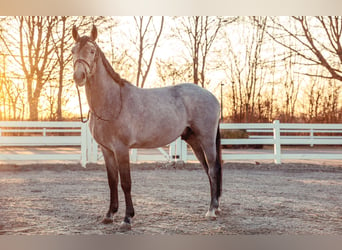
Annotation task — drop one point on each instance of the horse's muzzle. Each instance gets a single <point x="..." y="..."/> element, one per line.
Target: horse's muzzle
<point x="80" y="77"/>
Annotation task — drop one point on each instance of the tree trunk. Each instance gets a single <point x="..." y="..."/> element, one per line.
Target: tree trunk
<point x="33" y="106"/>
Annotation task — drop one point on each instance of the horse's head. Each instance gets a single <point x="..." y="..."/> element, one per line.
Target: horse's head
<point x="84" y="55"/>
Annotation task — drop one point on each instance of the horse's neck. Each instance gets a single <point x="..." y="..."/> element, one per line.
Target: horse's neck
<point x="103" y="93"/>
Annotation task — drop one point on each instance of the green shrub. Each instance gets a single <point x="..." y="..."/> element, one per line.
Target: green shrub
<point x="233" y="133"/>
<point x="237" y="134"/>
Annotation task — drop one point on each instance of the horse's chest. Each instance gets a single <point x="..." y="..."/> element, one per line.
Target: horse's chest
<point x="100" y="132"/>
<point x="108" y="134"/>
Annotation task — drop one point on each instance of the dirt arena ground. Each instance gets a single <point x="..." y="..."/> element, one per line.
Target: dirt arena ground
<point x="172" y="199"/>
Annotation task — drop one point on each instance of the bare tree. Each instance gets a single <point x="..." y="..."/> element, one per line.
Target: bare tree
<point x="10" y="87"/>
<point x="314" y="95"/>
<point x="171" y="71"/>
<point x="291" y="88"/>
<point x="198" y="34"/>
<point x="332" y="93"/>
<point x="62" y="40"/>
<point x="35" y="56"/>
<point x="317" y="42"/>
<point x="321" y="100"/>
<point x="35" y="60"/>
<point x="245" y="68"/>
<point x="316" y="39"/>
<point x="62" y="44"/>
<point x="11" y="92"/>
<point x="118" y="54"/>
<point x="146" y="45"/>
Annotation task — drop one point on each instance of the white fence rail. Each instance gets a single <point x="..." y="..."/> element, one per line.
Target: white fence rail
<point x="43" y="134"/>
<point x="76" y="134"/>
<point x="280" y="134"/>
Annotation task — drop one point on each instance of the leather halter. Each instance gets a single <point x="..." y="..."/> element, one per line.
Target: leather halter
<point x="91" y="72"/>
<point x="90" y="67"/>
<point x="80" y="60"/>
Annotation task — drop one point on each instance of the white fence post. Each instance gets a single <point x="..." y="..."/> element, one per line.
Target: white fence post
<point x="184" y="156"/>
<point x="175" y="149"/>
<point x="311" y="137"/>
<point x="84" y="144"/>
<point x="91" y="147"/>
<point x="276" y="137"/>
<point x="94" y="155"/>
<point x="134" y="155"/>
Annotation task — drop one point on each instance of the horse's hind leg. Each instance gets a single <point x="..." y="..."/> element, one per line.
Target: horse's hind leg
<point x="197" y="149"/>
<point x="215" y="175"/>
<point x="207" y="157"/>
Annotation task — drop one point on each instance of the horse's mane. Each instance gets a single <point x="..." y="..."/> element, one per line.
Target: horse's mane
<point x="115" y="76"/>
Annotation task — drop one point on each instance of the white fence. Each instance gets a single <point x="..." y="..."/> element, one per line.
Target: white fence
<point x="76" y="134"/>
<point x="45" y="134"/>
<point x="279" y="134"/>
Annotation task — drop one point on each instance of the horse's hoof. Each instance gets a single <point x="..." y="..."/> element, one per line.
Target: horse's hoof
<point x="218" y="211"/>
<point x="211" y="215"/>
<point x="107" y="220"/>
<point x="124" y="227"/>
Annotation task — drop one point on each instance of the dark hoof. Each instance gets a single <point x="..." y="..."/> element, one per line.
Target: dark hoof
<point x="107" y="220"/>
<point x="124" y="227"/>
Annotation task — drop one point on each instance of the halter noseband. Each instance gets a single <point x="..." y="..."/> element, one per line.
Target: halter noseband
<point x="80" y="60"/>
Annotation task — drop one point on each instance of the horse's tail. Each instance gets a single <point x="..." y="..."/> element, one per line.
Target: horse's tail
<point x="218" y="162"/>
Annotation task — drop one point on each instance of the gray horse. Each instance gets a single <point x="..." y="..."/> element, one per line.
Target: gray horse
<point x="124" y="116"/>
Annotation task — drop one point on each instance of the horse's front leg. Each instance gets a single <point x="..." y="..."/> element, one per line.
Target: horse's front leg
<point x="122" y="155"/>
<point x="112" y="174"/>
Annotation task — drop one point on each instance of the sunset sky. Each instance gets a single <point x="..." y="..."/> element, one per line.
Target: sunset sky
<point x="228" y="62"/>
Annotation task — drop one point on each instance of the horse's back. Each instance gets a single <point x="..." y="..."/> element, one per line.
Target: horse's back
<point x="198" y="101"/>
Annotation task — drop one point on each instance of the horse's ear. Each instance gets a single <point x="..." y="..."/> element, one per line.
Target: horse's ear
<point x="93" y="34"/>
<point x="75" y="34"/>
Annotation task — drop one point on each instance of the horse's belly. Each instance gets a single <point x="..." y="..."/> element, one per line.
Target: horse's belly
<point x="154" y="141"/>
<point x="161" y="136"/>
<point x="159" y="128"/>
